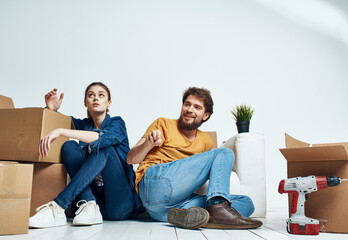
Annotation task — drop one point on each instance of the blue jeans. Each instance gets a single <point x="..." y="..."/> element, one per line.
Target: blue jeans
<point x="173" y="184"/>
<point x="115" y="198"/>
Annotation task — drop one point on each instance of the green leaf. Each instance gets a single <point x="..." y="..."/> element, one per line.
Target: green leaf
<point x="242" y="112"/>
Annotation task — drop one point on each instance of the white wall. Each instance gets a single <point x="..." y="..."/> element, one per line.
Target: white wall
<point x="148" y="52"/>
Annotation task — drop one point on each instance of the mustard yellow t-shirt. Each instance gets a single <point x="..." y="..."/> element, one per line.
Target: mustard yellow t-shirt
<point x="174" y="145"/>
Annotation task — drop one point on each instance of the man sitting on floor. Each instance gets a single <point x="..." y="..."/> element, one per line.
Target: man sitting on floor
<point x="176" y="159"/>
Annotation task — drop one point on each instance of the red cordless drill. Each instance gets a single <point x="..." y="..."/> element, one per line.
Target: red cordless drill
<point x="300" y="187"/>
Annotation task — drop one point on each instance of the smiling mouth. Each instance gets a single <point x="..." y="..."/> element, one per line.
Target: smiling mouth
<point x="188" y="117"/>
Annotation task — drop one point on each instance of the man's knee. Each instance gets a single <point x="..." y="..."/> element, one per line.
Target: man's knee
<point x="227" y="154"/>
<point x="227" y="151"/>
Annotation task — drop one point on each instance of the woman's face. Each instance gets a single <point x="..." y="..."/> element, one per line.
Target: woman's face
<point x="97" y="99"/>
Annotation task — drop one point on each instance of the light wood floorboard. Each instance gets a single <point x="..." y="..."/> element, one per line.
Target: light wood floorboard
<point x="274" y="228"/>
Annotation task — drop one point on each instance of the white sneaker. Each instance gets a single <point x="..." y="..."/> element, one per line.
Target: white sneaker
<point x="48" y="215"/>
<point x="87" y="214"/>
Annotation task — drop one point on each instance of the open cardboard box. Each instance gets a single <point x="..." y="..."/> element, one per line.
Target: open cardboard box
<point x="15" y="192"/>
<point x="329" y="206"/>
<point x="22" y="129"/>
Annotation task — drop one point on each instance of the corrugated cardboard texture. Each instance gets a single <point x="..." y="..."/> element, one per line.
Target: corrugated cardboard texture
<point x="213" y="136"/>
<point x="329" y="206"/>
<point x="48" y="181"/>
<point x="344" y="144"/>
<point x="22" y="129"/>
<point x="15" y="193"/>
<point x="6" y="102"/>
<point x="310" y="154"/>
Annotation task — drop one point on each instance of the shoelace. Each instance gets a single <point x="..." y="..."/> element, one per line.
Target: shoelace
<point x="83" y="206"/>
<point x="51" y="205"/>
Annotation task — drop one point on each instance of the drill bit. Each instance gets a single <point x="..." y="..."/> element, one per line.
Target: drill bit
<point x="344" y="179"/>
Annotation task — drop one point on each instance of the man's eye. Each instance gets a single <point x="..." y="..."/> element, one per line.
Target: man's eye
<point x="90" y="95"/>
<point x="101" y="95"/>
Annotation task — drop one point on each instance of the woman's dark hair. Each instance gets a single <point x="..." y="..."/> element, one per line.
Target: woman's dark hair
<point x="101" y="85"/>
<point x="203" y="94"/>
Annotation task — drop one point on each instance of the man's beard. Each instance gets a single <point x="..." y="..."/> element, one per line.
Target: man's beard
<point x="188" y="126"/>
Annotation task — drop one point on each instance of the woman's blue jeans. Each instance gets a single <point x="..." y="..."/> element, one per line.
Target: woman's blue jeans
<point x="173" y="184"/>
<point x="115" y="198"/>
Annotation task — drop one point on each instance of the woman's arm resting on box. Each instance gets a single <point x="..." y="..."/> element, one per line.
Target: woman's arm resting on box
<point x="84" y="136"/>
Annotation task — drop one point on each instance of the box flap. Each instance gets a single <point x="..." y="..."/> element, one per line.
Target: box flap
<point x="310" y="154"/>
<point x="291" y="142"/>
<point x="344" y="144"/>
<point x="6" y="102"/>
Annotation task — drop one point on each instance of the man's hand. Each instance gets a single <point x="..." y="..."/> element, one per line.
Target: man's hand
<point x="45" y="143"/>
<point x="154" y="138"/>
<point x="138" y="153"/>
<point x="52" y="101"/>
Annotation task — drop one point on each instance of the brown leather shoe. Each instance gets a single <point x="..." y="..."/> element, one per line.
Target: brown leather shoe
<point x="222" y="216"/>
<point x="191" y="218"/>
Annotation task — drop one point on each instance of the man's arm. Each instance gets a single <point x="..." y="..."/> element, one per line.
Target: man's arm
<point x="138" y="153"/>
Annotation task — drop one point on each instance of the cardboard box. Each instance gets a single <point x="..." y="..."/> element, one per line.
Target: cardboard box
<point x="329" y="206"/>
<point x="15" y="193"/>
<point x="48" y="181"/>
<point x="6" y="102"/>
<point x="22" y="129"/>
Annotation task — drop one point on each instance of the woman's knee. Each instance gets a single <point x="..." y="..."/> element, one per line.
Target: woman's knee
<point x="68" y="147"/>
<point x="71" y="156"/>
<point x="107" y="151"/>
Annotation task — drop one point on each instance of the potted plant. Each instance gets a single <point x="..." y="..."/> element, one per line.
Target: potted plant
<point x="242" y="114"/>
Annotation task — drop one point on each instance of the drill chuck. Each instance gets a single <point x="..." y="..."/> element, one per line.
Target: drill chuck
<point x="333" y="181"/>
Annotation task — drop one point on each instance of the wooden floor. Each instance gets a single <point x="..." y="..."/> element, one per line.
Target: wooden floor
<point x="273" y="228"/>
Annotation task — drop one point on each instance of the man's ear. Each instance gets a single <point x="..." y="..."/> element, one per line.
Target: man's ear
<point x="206" y="116"/>
<point x="109" y="103"/>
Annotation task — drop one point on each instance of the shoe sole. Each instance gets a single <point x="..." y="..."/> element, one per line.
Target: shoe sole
<point x="224" y="226"/>
<point x="88" y="222"/>
<point x="57" y="223"/>
<point x="191" y="218"/>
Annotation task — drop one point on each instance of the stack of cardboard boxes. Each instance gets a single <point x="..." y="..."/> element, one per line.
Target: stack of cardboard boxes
<point x="27" y="180"/>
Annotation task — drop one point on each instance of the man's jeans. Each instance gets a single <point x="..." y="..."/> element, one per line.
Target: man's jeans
<point x="173" y="184"/>
<point x="114" y="198"/>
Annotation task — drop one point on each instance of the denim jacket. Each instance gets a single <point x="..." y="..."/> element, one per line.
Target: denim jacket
<point x="113" y="133"/>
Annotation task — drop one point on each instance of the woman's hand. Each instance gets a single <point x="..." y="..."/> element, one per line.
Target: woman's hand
<point x="52" y="101"/>
<point x="45" y="143"/>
